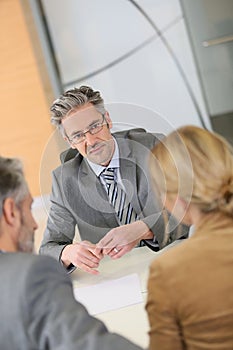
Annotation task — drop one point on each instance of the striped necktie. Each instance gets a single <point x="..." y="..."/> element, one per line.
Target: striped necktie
<point x="118" y="198"/>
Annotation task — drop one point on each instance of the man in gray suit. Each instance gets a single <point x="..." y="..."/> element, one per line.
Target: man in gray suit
<point x="102" y="186"/>
<point x="38" y="310"/>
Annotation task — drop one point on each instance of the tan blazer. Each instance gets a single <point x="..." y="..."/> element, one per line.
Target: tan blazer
<point x="190" y="290"/>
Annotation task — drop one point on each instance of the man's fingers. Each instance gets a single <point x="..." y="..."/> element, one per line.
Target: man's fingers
<point x="121" y="251"/>
<point x="104" y="242"/>
<point x="89" y="250"/>
<point x="87" y="264"/>
<point x="106" y="251"/>
<point x="88" y="258"/>
<point x="105" y="245"/>
<point x="98" y="252"/>
<point x="88" y="269"/>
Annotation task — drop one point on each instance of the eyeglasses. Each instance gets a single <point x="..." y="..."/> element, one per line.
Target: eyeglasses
<point x="93" y="129"/>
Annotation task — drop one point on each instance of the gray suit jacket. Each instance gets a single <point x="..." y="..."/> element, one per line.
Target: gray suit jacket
<point x="38" y="310"/>
<point x="78" y="197"/>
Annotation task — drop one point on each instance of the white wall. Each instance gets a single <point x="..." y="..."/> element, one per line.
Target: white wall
<point x="143" y="89"/>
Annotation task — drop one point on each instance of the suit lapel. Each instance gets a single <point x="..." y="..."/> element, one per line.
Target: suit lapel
<point x="128" y="170"/>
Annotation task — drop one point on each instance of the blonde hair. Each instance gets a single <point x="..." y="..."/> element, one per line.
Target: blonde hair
<point x="197" y="165"/>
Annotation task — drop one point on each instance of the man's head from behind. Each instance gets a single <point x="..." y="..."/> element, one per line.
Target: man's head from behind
<point x="17" y="224"/>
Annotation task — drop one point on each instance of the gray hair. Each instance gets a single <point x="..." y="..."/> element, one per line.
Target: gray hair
<point x="12" y="181"/>
<point x="71" y="100"/>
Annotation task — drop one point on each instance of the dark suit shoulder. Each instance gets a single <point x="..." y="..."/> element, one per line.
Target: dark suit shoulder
<point x="140" y="135"/>
<point x="68" y="154"/>
<point x="68" y="164"/>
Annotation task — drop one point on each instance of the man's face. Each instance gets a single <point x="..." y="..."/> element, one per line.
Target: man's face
<point x="27" y="226"/>
<point x="99" y="147"/>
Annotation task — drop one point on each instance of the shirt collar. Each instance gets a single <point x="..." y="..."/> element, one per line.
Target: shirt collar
<point x="114" y="163"/>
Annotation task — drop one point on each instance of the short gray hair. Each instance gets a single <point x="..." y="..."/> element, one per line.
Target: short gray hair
<point x="71" y="100"/>
<point x="12" y="181"/>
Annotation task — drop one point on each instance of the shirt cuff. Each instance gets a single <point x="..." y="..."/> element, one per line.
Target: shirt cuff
<point x="150" y="243"/>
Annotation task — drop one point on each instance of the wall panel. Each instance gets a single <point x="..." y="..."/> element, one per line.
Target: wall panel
<point x="25" y="126"/>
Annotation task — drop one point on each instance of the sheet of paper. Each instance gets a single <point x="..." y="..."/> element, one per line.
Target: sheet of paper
<point x="110" y="295"/>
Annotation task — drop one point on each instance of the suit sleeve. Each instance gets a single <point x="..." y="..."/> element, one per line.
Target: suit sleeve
<point x="165" y="228"/>
<point x="61" y="224"/>
<point x="164" y="330"/>
<point x="56" y="320"/>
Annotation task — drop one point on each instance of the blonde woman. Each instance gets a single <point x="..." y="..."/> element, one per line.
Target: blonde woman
<point x="190" y="288"/>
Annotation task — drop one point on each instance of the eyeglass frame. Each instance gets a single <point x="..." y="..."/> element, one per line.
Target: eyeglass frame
<point x="90" y="129"/>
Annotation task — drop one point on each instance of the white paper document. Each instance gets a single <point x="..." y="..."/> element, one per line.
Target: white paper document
<point x="110" y="295"/>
